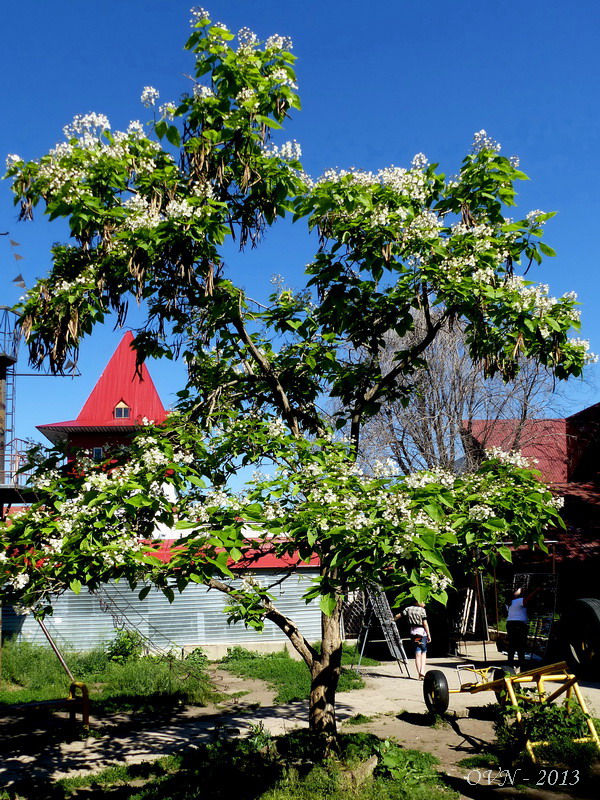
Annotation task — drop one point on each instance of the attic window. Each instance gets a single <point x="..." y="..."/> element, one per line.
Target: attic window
<point x="122" y="410"/>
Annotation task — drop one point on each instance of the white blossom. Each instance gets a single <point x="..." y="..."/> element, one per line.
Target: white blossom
<point x="439" y="583"/>
<point x="277" y="42"/>
<point x="513" y="457"/>
<point x="583" y="344"/>
<point x="276" y="427"/>
<point x="202" y="92"/>
<point x="419" y="161"/>
<point x="290" y="151"/>
<point x="481" y="141"/>
<point x="280" y="76"/>
<point x="480" y="512"/>
<point x="198" y="15"/>
<point x="247" y="38"/>
<point x="167" y="110"/>
<point x="12" y="159"/>
<point x="149" y="96"/>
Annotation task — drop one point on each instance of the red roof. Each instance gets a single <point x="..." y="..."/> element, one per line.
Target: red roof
<point x="542" y="440"/>
<point x="118" y="383"/>
<point x="259" y="558"/>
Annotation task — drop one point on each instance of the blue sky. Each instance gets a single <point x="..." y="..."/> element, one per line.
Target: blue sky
<point x="379" y="82"/>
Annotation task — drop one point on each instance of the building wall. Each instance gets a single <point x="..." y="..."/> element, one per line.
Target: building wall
<point x="195" y="618"/>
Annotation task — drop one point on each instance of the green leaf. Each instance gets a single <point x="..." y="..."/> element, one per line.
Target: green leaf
<point x="547" y="251"/>
<point x="505" y="552"/>
<point x="144" y="592"/>
<point x="327" y="604"/>
<point x="173" y="135"/>
<point x="420" y="593"/>
<point x="75" y="586"/>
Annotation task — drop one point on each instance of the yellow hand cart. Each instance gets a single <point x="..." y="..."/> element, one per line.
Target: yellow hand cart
<point x="506" y="685"/>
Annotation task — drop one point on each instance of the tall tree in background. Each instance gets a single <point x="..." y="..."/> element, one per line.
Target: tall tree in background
<point x="432" y="427"/>
<point x="148" y="216"/>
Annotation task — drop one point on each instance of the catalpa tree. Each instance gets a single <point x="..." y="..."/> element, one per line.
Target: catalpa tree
<point x="149" y="210"/>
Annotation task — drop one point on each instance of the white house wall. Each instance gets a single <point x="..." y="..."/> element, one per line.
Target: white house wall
<point x="195" y="618"/>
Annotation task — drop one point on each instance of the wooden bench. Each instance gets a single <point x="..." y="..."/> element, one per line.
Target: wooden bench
<point x="74" y="703"/>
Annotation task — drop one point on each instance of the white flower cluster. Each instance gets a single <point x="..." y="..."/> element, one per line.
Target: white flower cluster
<point x="153" y="458"/>
<point x="589" y="357"/>
<point x="87" y="127"/>
<point x="167" y="110"/>
<point x="18" y="581"/>
<point x="44" y="480"/>
<point x="276" y="427"/>
<point x="425" y="225"/>
<point x="12" y="159"/>
<point x="532" y="218"/>
<point x="280" y="76"/>
<point x="198" y="14"/>
<point x="513" y="457"/>
<point x="419" y="161"/>
<point x="481" y="141"/>
<point x="532" y="298"/>
<point x="277" y="42"/>
<point x="557" y="502"/>
<point x="385" y="469"/>
<point x="439" y="583"/>
<point x="202" y="92"/>
<point x="380" y="216"/>
<point x="480" y="512"/>
<point x="149" y="96"/>
<point x="438" y="475"/>
<point x="484" y="275"/>
<point x="247" y="38"/>
<point x="247" y="95"/>
<point x="142" y="213"/>
<point x="290" y="151"/>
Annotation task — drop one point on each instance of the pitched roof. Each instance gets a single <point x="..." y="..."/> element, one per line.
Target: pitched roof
<point x="565" y="449"/>
<point x="118" y="382"/>
<point x="542" y="440"/>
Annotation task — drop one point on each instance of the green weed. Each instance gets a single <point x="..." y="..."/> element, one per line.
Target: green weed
<point x="264" y="768"/>
<point x="290" y="678"/>
<point x="358" y="719"/>
<point x="123" y="682"/>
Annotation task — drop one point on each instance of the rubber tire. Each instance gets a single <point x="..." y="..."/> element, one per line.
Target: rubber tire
<point x="497" y="674"/>
<point x="435" y="691"/>
<point x="580" y="626"/>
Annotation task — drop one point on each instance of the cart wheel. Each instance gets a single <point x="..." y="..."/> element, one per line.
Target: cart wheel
<point x="498" y="674"/>
<point x="435" y="691"/>
<point x="580" y="626"/>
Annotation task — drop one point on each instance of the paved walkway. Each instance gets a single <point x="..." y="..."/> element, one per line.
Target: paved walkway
<point x="132" y="738"/>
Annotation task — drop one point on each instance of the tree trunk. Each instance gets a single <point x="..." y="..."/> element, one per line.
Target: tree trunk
<point x="325" y="674"/>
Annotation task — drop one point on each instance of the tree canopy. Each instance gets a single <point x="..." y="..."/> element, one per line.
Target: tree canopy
<point x="149" y="210"/>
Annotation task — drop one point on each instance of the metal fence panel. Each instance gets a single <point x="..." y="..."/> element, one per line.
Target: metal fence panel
<point x="85" y="621"/>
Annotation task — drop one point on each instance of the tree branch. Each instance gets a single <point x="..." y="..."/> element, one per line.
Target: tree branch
<point x="272" y="613"/>
<point x="279" y="395"/>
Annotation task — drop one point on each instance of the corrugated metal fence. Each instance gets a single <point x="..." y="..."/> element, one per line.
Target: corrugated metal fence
<point x="85" y="621"/>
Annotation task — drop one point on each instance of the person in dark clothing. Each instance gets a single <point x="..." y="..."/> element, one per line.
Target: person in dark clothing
<point x="517" y="626"/>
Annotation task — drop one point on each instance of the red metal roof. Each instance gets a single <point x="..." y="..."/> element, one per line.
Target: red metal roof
<point x="258" y="558"/>
<point x="544" y="440"/>
<point x="119" y="382"/>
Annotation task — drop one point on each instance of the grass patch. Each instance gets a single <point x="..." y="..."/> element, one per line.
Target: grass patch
<point x="359" y="719"/>
<point x="32" y="672"/>
<point x="288" y="677"/>
<point x="261" y="767"/>
<point x="479" y="760"/>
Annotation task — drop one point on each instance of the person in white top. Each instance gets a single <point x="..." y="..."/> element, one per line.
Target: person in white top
<point x="517" y="626"/>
